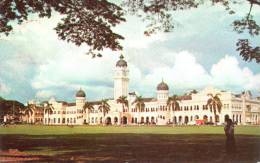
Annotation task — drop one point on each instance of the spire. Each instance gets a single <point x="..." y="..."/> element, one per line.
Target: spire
<point x="121" y="62"/>
<point x="121" y="56"/>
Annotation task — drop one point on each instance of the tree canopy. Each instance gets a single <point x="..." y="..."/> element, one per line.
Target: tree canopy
<point x="10" y="107"/>
<point x="91" y="22"/>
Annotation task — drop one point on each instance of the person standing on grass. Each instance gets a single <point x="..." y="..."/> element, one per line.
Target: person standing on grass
<point x="230" y="138"/>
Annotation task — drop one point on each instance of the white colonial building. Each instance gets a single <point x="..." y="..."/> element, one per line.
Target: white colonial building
<point x="241" y="108"/>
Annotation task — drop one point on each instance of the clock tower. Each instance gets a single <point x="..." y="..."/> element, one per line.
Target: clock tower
<point x="121" y="79"/>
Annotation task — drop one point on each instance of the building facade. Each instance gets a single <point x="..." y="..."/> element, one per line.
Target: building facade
<point x="241" y="108"/>
<point x="36" y="115"/>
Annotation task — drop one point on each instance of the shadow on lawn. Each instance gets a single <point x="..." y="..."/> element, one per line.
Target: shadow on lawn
<point x="133" y="147"/>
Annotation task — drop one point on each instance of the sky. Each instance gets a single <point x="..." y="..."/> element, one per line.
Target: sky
<point x="35" y="64"/>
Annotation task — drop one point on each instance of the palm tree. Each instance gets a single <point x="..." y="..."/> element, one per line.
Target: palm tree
<point x="173" y="103"/>
<point x="48" y="109"/>
<point x="29" y="110"/>
<point x="215" y="104"/>
<point x="123" y="100"/>
<point x="139" y="105"/>
<point x="104" y="107"/>
<point x="87" y="108"/>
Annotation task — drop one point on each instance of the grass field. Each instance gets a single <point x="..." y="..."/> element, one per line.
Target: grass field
<point x="129" y="144"/>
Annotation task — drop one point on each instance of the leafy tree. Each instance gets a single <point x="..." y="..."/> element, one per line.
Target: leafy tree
<point x="214" y="103"/>
<point x="87" y="108"/>
<point x="104" y="107"/>
<point x="91" y="21"/>
<point x="2" y="99"/>
<point x="84" y="21"/>
<point x="123" y="100"/>
<point x="139" y="105"/>
<point x="12" y="108"/>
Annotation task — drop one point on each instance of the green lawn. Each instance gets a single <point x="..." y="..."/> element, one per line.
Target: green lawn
<point x="131" y="143"/>
<point x="64" y="130"/>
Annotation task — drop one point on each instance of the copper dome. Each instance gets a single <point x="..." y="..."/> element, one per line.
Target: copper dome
<point x="121" y="62"/>
<point x="162" y="86"/>
<point x="80" y="93"/>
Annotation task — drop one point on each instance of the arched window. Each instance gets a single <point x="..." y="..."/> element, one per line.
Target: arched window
<point x="217" y="118"/>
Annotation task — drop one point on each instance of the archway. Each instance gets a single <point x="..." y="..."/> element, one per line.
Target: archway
<point x="217" y="118"/>
<point x="147" y="120"/>
<point x="124" y="120"/>
<point x="152" y="120"/>
<point x="186" y="119"/>
<point x="142" y="119"/>
<point x="108" y="121"/>
<point x="196" y="117"/>
<point x="174" y="119"/>
<point x="180" y="119"/>
<point x="135" y="120"/>
<point x="115" y="120"/>
<point x="205" y="118"/>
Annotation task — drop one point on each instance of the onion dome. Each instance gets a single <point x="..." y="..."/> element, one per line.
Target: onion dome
<point x="121" y="62"/>
<point x="80" y="93"/>
<point x="162" y="86"/>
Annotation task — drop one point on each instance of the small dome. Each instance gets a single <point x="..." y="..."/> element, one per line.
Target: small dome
<point x="162" y="86"/>
<point x="80" y="93"/>
<point x="121" y="62"/>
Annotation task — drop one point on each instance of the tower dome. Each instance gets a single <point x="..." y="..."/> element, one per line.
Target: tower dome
<point x="80" y="93"/>
<point x="121" y="62"/>
<point x="162" y="86"/>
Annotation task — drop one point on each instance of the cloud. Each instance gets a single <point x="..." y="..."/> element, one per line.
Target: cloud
<point x="45" y="94"/>
<point x="227" y="72"/>
<point x="4" y="88"/>
<point x="70" y="71"/>
<point x="186" y="74"/>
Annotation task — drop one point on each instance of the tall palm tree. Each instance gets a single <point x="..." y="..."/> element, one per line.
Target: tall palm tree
<point x="29" y="110"/>
<point x="214" y="103"/>
<point x="139" y="105"/>
<point x="87" y="108"/>
<point x="123" y="100"/>
<point x="104" y="107"/>
<point x="48" y="109"/>
<point x="173" y="102"/>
